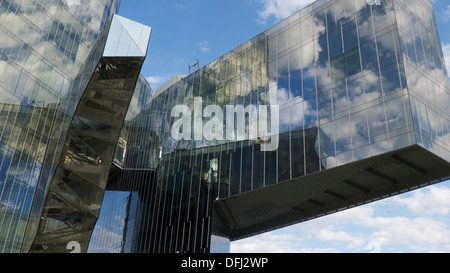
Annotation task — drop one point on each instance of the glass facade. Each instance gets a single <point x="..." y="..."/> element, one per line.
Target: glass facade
<point x="347" y="81"/>
<point x="51" y="54"/>
<point x="304" y="119"/>
<point x="123" y="220"/>
<point x="72" y="206"/>
<point x="351" y="81"/>
<point x="427" y="77"/>
<point x="45" y="47"/>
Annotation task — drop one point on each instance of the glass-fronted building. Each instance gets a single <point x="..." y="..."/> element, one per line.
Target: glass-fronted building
<point x="357" y="104"/>
<point x="59" y="71"/>
<point x="342" y="103"/>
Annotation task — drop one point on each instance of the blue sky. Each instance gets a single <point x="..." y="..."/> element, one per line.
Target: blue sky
<point x="187" y="30"/>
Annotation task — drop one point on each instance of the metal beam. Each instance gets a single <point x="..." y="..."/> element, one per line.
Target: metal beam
<point x="336" y="195"/>
<point x="356" y="185"/>
<point x="317" y="203"/>
<point x="409" y="165"/>
<point x="381" y="176"/>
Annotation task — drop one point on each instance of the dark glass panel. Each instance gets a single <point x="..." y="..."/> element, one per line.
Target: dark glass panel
<point x="247" y="157"/>
<point x="296" y="84"/>
<point x="258" y="168"/>
<point x="391" y="78"/>
<point x="335" y="42"/>
<point x="322" y="47"/>
<point x="284" y="159"/>
<point x="311" y="151"/>
<point x="270" y="168"/>
<point x="352" y="62"/>
<point x="337" y="68"/>
<point x="327" y="148"/>
<point x="298" y="158"/>
<point x="350" y="35"/>
<point x="235" y="183"/>
<point x="369" y="56"/>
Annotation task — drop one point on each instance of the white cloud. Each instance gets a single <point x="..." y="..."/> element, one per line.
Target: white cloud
<point x="156" y="80"/>
<point x="204" y="47"/>
<point x="446" y="49"/>
<point x="105" y="240"/>
<point x="368" y="228"/>
<point x="272" y="243"/>
<point x="410" y="234"/>
<point x="180" y="6"/>
<point x="280" y="9"/>
<point x="446" y="13"/>
<point x="297" y="238"/>
<point x="433" y="201"/>
<point x="349" y="239"/>
<point x="265" y="243"/>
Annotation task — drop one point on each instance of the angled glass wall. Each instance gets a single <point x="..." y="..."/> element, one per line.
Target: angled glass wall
<point x="45" y="48"/>
<point x="426" y="75"/>
<point x="141" y="98"/>
<point x="73" y="203"/>
<point x="122" y="226"/>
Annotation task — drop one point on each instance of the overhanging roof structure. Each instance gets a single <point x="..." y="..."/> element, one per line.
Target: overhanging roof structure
<point x="330" y="191"/>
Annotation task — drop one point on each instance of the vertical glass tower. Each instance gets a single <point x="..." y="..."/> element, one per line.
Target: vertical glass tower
<point x="59" y="68"/>
<point x="44" y="47"/>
